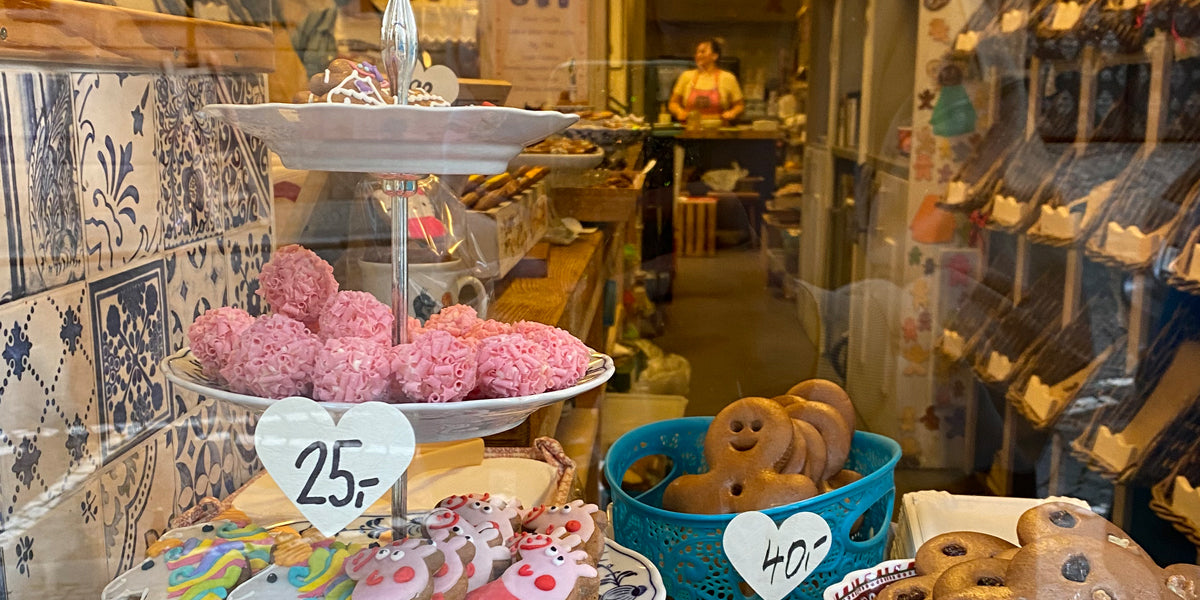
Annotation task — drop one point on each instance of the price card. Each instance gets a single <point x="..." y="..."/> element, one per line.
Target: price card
<point x="774" y="560"/>
<point x="333" y="471"/>
<point x="438" y="79"/>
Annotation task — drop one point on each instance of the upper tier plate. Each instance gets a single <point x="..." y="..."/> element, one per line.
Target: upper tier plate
<point x="459" y="140"/>
<point x="432" y="422"/>
<point x="586" y="160"/>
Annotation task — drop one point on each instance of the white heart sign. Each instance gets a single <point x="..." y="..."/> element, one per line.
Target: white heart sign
<point x="774" y="560"/>
<point x="438" y="79"/>
<point x="333" y="472"/>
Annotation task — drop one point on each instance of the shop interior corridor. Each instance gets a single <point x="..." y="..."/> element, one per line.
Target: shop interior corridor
<point x="741" y="338"/>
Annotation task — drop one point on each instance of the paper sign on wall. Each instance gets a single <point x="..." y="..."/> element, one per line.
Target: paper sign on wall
<point x="774" y="560"/>
<point x="333" y="472"/>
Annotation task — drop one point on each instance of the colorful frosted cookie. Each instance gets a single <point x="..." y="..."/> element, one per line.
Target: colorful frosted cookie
<point x="401" y="570"/>
<point x="323" y="575"/>
<point x="444" y="526"/>
<point x="257" y="541"/>
<point x="205" y="569"/>
<point x="479" y="509"/>
<point x="584" y="520"/>
<point x="545" y="571"/>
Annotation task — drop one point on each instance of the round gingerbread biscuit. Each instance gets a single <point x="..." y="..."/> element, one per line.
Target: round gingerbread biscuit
<point x="948" y="549"/>
<point x="1064" y="518"/>
<point x="1072" y="566"/>
<point x="814" y="445"/>
<point x="826" y="392"/>
<point x="981" y="572"/>
<point x="795" y="463"/>
<point x="913" y="588"/>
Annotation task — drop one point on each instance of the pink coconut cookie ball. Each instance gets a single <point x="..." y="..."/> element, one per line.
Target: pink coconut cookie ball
<point x="272" y="358"/>
<point x="434" y="367"/>
<point x="297" y="283"/>
<point x="356" y="314"/>
<point x="352" y="369"/>
<point x="485" y="329"/>
<point x="568" y="356"/>
<point x="510" y="365"/>
<point x="212" y="335"/>
<point x="456" y="319"/>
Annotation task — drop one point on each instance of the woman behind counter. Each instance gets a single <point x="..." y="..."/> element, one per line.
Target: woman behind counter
<point x="707" y="89"/>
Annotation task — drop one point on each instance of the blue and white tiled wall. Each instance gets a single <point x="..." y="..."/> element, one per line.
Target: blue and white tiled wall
<point x="125" y="217"/>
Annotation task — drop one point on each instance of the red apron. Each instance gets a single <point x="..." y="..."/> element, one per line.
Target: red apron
<point x="706" y="102"/>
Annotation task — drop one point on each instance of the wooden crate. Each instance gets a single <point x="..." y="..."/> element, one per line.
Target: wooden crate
<point x="598" y="204"/>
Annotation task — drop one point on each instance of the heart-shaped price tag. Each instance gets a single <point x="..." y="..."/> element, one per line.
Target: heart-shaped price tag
<point x="333" y="472"/>
<point x="438" y="79"/>
<point x="774" y="560"/>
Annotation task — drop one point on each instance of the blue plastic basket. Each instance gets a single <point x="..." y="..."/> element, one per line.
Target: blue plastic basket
<point x="687" y="547"/>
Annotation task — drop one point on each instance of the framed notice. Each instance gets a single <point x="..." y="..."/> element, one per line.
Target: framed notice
<point x="541" y="46"/>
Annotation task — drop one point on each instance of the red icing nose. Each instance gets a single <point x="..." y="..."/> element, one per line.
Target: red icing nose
<point x="544" y="583"/>
<point x="442" y="571"/>
<point x="574" y="526"/>
<point x="404" y="575"/>
<point x="525" y="571"/>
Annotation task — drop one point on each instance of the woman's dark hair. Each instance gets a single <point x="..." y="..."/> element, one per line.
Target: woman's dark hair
<point x="714" y="44"/>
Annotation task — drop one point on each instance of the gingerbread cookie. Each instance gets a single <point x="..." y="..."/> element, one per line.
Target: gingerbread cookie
<point x="833" y="428"/>
<point x="948" y="549"/>
<point x="745" y="447"/>
<point x="912" y="588"/>
<point x="545" y="571"/>
<point x="814" y="449"/>
<point x="584" y="520"/>
<point x="1064" y="518"/>
<point x="981" y="572"/>
<point x="1072" y="566"/>
<point x="445" y="526"/>
<point x="826" y="392"/>
<point x="401" y="570"/>
<point x="479" y="509"/>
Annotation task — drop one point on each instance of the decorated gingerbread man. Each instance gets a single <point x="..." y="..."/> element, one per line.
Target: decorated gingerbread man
<point x="547" y="570"/>
<point x="479" y="509"/>
<point x="747" y="445"/>
<point x="447" y="529"/>
<point x="402" y="570"/>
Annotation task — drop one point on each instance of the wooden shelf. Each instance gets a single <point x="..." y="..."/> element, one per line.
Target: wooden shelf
<point x="83" y="34"/>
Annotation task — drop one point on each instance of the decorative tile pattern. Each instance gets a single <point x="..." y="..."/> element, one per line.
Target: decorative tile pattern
<point x="61" y="555"/>
<point x="244" y="186"/>
<point x="48" y="409"/>
<point x="249" y="249"/>
<point x="205" y="460"/>
<point x="188" y="164"/>
<point x="136" y="501"/>
<point x="114" y="116"/>
<point x="37" y="172"/>
<point x="241" y="423"/>
<point x="195" y="283"/>
<point x="130" y="337"/>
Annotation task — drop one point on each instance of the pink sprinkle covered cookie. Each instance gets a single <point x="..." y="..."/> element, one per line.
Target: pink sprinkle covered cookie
<point x="434" y="367"/>
<point x="297" y="283"/>
<point x="213" y="334"/>
<point x="356" y="314"/>
<point x="568" y="356"/>
<point x="272" y="358"/>
<point x="351" y="369"/>
<point x="511" y="365"/>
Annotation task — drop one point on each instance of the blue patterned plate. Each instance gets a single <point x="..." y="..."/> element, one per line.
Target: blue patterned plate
<point x="432" y="422"/>
<point x="393" y="139"/>
<point x="627" y="575"/>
